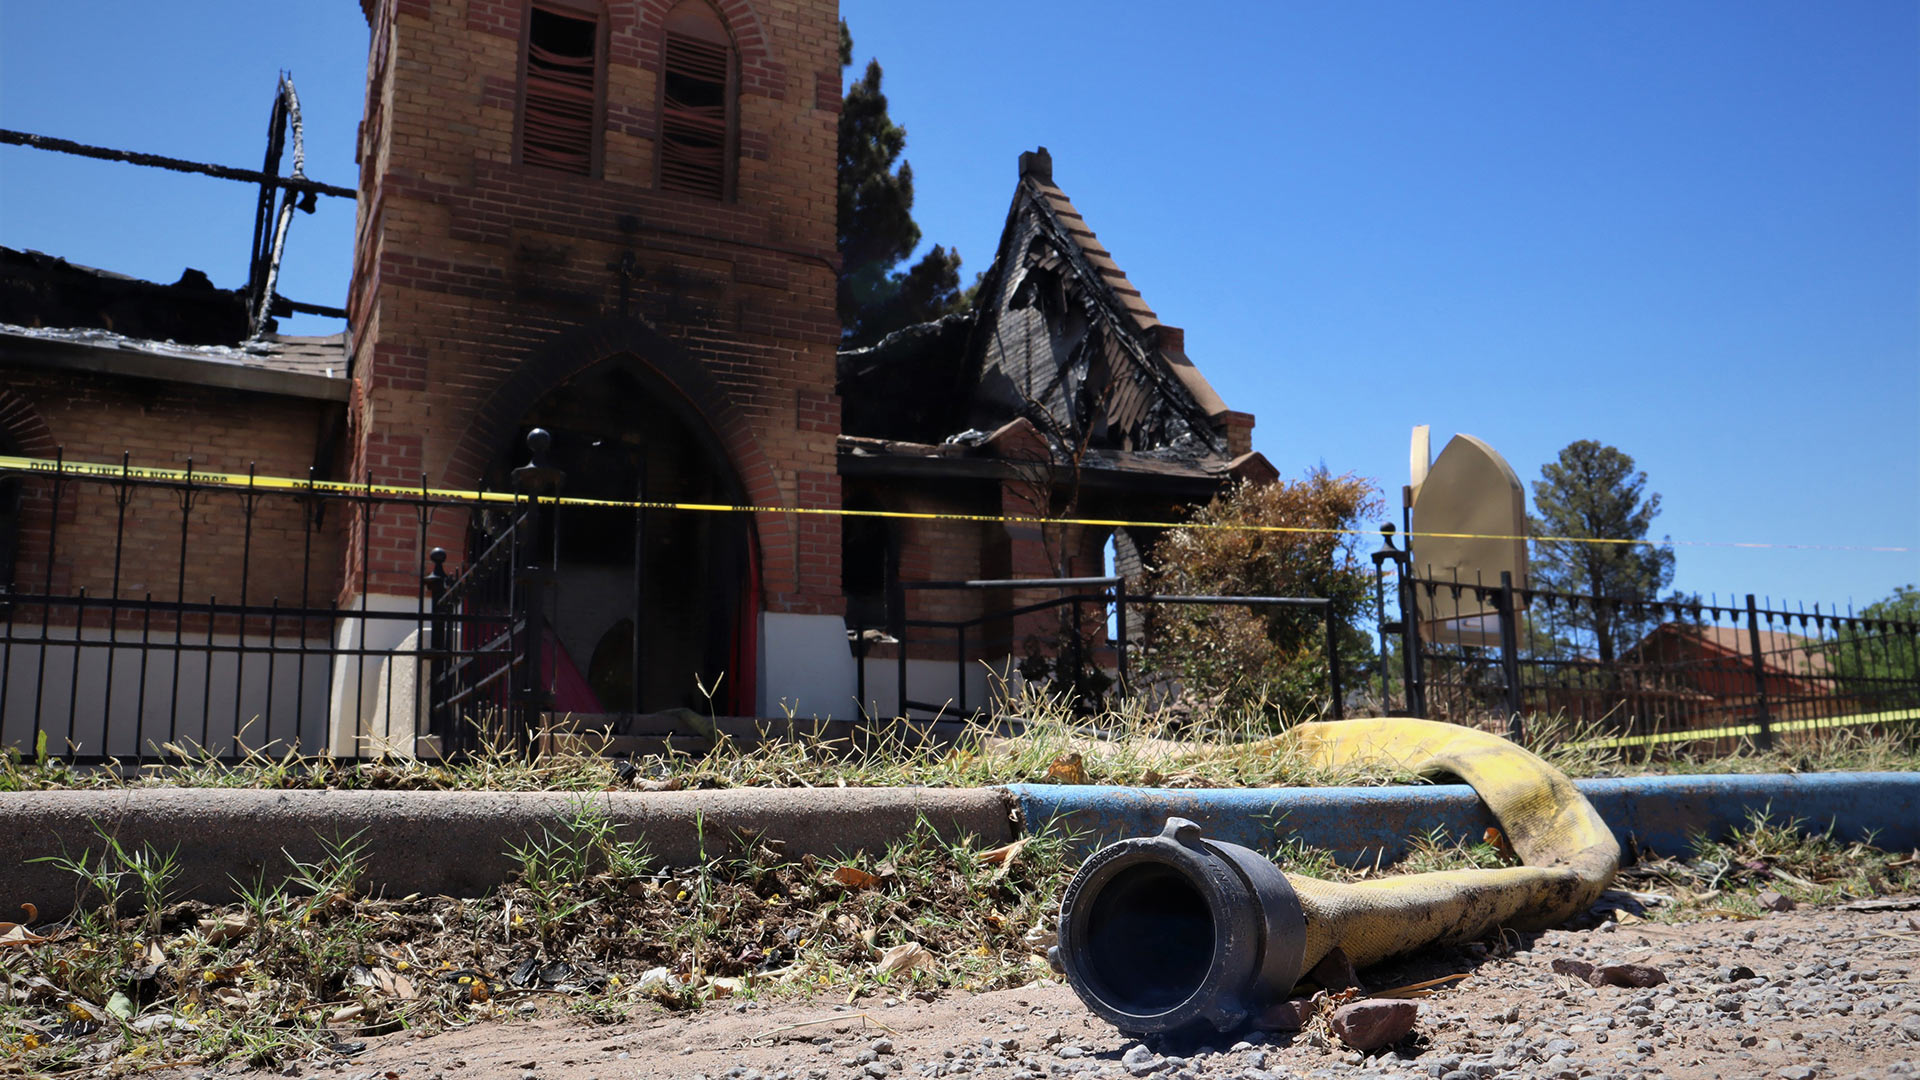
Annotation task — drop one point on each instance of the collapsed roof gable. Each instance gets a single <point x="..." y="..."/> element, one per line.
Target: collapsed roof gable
<point x="1063" y="338"/>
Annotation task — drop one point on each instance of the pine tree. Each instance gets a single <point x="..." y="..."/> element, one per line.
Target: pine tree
<point x="876" y="228"/>
<point x="1593" y="491"/>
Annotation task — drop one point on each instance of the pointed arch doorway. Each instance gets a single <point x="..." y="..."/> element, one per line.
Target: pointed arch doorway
<point x="654" y="609"/>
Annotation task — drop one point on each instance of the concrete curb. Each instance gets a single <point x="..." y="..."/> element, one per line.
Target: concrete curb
<point x="1360" y="824"/>
<point x="452" y="842"/>
<point x="455" y="842"/>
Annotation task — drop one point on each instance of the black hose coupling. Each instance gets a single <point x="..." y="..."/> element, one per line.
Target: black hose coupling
<point x="1162" y="933"/>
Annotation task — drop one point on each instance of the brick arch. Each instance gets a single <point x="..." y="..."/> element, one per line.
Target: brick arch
<point x="640" y="23"/>
<point x="706" y="404"/>
<point x="22" y="428"/>
<point x="579" y="349"/>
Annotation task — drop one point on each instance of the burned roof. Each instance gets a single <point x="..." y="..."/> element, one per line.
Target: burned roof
<point x="54" y="313"/>
<point x="1057" y="336"/>
<point x="287" y="365"/>
<point x="40" y="290"/>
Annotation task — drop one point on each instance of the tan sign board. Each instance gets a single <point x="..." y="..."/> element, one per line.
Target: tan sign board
<point x="1469" y="525"/>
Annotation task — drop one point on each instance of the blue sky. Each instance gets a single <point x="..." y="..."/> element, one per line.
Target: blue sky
<point x="1689" y="230"/>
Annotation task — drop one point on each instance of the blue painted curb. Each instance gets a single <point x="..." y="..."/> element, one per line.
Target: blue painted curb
<point x="1361" y="824"/>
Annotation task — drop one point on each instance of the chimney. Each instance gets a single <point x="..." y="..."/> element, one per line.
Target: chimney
<point x="1037" y="164"/>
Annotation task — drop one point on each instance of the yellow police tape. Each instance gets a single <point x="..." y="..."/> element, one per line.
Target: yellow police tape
<point x="1891" y="716"/>
<point x="249" y="481"/>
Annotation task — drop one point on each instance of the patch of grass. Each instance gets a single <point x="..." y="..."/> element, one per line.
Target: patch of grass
<point x="1134" y="745"/>
<point x="1570" y="747"/>
<point x="1771" y="853"/>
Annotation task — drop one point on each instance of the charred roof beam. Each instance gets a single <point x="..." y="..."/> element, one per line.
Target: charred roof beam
<point x="161" y="161"/>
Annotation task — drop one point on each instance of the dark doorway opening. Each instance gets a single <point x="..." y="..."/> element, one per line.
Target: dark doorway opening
<point x="671" y="594"/>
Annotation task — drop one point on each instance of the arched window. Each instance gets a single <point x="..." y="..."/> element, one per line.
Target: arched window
<point x="697" y="102"/>
<point x="560" y="100"/>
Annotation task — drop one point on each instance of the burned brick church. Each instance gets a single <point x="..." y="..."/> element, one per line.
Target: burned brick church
<point x="612" y="220"/>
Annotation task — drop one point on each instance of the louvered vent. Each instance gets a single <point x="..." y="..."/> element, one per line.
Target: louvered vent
<point x="557" y="126"/>
<point x="693" y="119"/>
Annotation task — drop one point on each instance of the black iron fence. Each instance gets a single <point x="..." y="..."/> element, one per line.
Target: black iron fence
<point x="151" y="613"/>
<point x="1073" y="649"/>
<point x="1658" y="672"/>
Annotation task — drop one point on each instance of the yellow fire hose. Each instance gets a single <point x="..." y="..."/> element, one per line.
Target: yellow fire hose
<point x="1162" y="933"/>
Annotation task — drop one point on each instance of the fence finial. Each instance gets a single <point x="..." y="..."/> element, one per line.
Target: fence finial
<point x="536" y="477"/>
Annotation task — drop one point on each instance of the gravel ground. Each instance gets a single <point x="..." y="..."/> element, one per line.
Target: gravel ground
<point x="1794" y="995"/>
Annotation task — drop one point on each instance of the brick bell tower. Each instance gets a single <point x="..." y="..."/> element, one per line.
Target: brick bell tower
<point x="613" y="219"/>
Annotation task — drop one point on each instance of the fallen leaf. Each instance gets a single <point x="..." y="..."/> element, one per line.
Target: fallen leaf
<point x="342" y="1015"/>
<point x="12" y="933"/>
<point x="18" y="935"/>
<point x="1002" y="855"/>
<point x="1067" y="769"/>
<point x="33" y="916"/>
<point x="1497" y="840"/>
<point x="224" y="928"/>
<point x="907" y="957"/>
<point x="853" y="877"/>
<point x="393" y="984"/>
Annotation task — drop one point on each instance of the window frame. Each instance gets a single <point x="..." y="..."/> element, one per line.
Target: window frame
<point x="583" y="10"/>
<point x="730" y="147"/>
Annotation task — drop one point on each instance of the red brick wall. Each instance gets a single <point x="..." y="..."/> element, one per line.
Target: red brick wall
<point x="480" y="283"/>
<point x="93" y="418"/>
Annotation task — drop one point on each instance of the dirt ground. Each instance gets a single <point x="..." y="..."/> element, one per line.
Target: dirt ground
<point x="1795" y="995"/>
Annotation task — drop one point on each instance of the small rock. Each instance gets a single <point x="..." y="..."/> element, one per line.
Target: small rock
<point x="1773" y="901"/>
<point x="1797" y="1072"/>
<point x="1640" y="975"/>
<point x="1578" y="969"/>
<point x="1140" y="1061"/>
<point x="881" y="1046"/>
<point x="1370" y="1025"/>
